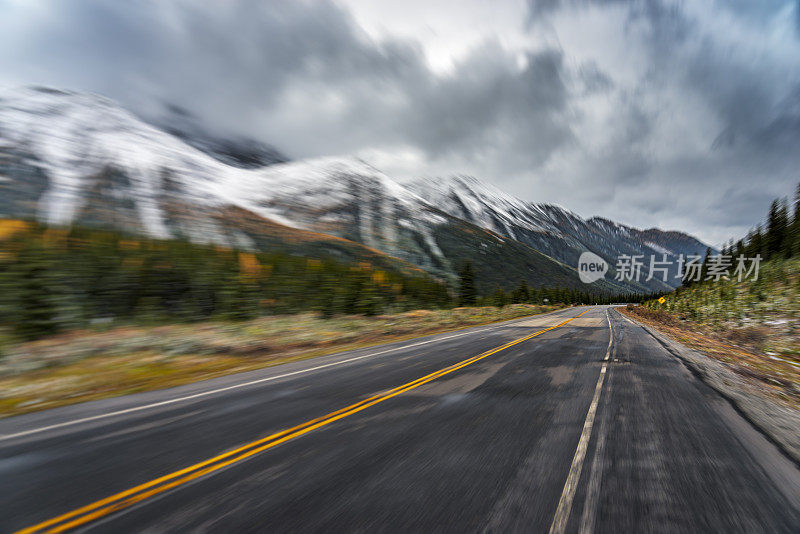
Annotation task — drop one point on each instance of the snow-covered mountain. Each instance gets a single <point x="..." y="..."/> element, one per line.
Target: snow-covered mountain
<point x="549" y="228"/>
<point x="74" y="158"/>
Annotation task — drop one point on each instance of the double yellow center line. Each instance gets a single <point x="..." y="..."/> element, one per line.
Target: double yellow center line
<point x="129" y="497"/>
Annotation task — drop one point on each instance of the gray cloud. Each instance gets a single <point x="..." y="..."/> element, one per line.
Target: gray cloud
<point x="698" y="134"/>
<point x="729" y="87"/>
<point x="239" y="63"/>
<point x="488" y="104"/>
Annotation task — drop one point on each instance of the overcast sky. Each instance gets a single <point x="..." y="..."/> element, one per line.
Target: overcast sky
<point x="683" y="115"/>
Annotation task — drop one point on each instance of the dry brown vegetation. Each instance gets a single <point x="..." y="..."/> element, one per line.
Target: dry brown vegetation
<point x="91" y="364"/>
<point x="741" y="349"/>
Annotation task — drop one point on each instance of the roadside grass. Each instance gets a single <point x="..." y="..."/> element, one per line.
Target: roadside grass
<point x="752" y="326"/>
<point x="104" y="362"/>
<point x="742" y="349"/>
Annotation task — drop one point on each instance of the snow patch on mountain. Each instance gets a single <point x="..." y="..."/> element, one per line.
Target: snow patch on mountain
<point x="483" y="204"/>
<point x="658" y="248"/>
<point x="75" y="136"/>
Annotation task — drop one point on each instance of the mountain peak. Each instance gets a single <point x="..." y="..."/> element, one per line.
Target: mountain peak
<point x="69" y="157"/>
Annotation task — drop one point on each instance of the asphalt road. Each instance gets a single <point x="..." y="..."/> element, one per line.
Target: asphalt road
<point x="571" y="429"/>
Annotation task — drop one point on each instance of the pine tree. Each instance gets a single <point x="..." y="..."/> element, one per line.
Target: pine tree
<point x="785" y="222"/>
<point x="370" y="302"/>
<point x="466" y="291"/>
<point x="704" y="267"/>
<point x="756" y="243"/>
<point x="521" y="294"/>
<point x="499" y="298"/>
<point x="36" y="314"/>
<point x="327" y="298"/>
<point x="795" y="228"/>
<point x="776" y="229"/>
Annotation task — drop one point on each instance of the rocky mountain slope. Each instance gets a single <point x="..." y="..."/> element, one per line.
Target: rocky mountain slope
<point x="553" y="230"/>
<point x="73" y="158"/>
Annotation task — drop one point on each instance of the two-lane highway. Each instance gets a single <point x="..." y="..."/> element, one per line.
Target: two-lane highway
<point x="576" y="420"/>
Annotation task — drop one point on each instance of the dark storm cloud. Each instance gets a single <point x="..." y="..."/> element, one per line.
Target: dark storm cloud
<point x="783" y="132"/>
<point x="745" y="98"/>
<point x="220" y="59"/>
<point x="738" y="89"/>
<point x="241" y="64"/>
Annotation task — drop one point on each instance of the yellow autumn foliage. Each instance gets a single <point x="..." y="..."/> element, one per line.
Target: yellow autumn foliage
<point x="128" y="244"/>
<point x="9" y="227"/>
<point x="249" y="265"/>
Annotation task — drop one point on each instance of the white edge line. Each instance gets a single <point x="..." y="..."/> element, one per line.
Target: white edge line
<point x="237" y="386"/>
<point x="610" y="337"/>
<point x="561" y="517"/>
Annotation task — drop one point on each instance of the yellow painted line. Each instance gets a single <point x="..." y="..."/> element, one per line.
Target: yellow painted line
<point x="124" y="499"/>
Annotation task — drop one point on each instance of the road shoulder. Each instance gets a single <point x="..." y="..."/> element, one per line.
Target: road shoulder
<point x="778" y="423"/>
